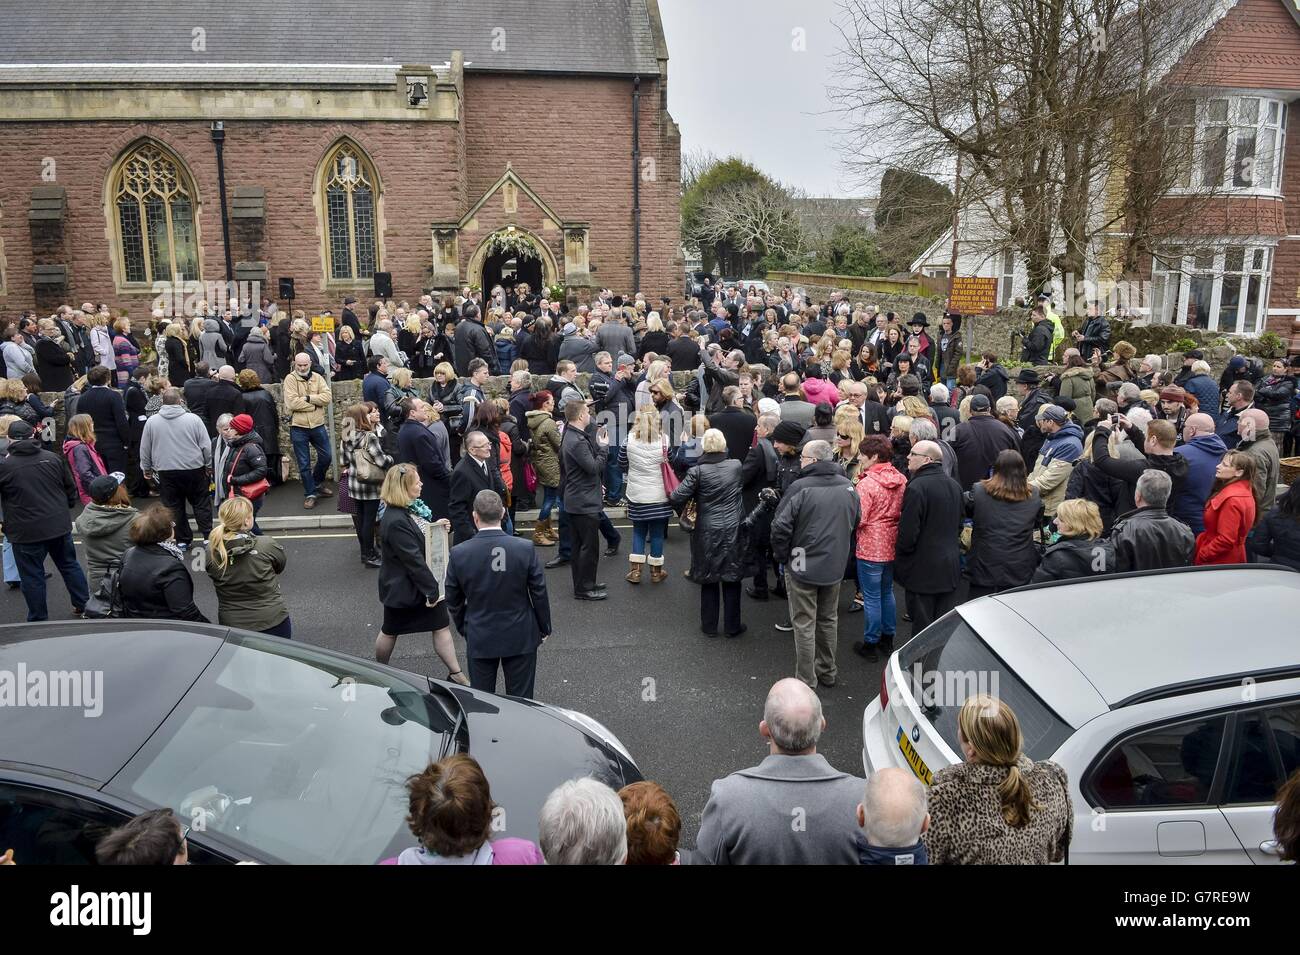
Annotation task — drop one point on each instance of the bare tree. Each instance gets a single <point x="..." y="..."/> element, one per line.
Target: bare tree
<point x="750" y="220"/>
<point x="695" y="163"/>
<point x="1039" y="104"/>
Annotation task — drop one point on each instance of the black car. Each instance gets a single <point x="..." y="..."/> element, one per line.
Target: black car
<point x="271" y="750"/>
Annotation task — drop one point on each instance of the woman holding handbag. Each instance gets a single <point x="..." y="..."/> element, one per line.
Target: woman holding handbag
<point x="644" y="459"/>
<point x="243" y="471"/>
<point x="366" y="463"/>
<point x="412" y="596"/>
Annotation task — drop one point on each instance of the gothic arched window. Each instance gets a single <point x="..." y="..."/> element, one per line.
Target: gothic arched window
<point x="154" y="210"/>
<point x="349" y="185"/>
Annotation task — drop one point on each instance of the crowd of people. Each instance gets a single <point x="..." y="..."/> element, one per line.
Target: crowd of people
<point x="804" y="447"/>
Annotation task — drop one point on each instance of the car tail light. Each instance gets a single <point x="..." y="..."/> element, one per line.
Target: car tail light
<point x="884" y="690"/>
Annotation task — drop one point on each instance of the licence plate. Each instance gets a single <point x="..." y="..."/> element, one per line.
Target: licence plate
<point x="913" y="758"/>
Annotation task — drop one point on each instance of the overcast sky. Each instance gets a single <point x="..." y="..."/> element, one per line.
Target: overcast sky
<point x="737" y="85"/>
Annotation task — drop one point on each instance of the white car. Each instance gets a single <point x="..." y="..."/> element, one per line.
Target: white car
<point x="1171" y="698"/>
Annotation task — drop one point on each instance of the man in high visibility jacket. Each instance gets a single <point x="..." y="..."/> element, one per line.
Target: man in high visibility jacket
<point x="1058" y="329"/>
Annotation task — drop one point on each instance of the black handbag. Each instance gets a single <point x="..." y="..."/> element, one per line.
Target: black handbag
<point x="106" y="601"/>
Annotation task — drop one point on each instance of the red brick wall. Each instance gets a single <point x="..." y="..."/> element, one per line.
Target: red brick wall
<point x="415" y="163"/>
<point x="1284" y="291"/>
<point x="1255" y="46"/>
<point x="570" y="140"/>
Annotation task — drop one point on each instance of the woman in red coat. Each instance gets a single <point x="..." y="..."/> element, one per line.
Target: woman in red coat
<point x="1230" y="512"/>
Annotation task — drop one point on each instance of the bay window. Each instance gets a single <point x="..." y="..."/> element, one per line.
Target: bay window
<point x="1214" y="287"/>
<point x="1227" y="144"/>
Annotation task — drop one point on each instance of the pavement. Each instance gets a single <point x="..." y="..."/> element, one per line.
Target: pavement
<point x="686" y="706"/>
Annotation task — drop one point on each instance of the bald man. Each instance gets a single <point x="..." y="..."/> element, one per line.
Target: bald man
<point x="1203" y="450"/>
<point x="793" y="808"/>
<point x="1257" y="441"/>
<point x="893" y="815"/>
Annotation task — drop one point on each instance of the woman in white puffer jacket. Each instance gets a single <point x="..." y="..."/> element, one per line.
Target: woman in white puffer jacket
<point x="642" y="459"/>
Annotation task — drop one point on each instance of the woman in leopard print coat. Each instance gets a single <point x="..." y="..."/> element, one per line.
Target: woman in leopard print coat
<point x="999" y="807"/>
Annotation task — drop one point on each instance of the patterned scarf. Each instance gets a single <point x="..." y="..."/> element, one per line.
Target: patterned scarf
<point x="173" y="548"/>
<point x="417" y="508"/>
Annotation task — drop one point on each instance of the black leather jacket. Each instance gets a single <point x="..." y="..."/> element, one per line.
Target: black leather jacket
<point x="156" y="585"/>
<point x="1149" y="539"/>
<point x="1073" y="557"/>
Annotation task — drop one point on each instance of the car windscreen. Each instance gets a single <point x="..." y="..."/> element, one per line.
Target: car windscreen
<point x="299" y="755"/>
<point x="948" y="662"/>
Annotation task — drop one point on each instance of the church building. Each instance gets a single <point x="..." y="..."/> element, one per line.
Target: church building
<point x="431" y="143"/>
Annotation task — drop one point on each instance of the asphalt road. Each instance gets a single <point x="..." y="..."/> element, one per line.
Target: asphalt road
<point x="686" y="706"/>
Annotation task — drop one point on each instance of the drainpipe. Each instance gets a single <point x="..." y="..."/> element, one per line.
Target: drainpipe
<point x="218" y="140"/>
<point x="636" y="183"/>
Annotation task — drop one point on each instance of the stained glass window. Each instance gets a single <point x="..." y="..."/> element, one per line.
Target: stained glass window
<point x="154" y="201"/>
<point x="350" y="214"/>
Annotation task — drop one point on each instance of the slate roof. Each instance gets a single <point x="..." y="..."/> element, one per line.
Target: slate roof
<point x="563" y="36"/>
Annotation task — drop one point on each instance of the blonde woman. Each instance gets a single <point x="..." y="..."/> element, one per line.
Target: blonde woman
<point x="348" y="353"/>
<point x="914" y="407"/>
<point x="83" y="459"/>
<point x="412" y="598"/>
<point x="13" y="401"/>
<point x="401" y="379"/>
<point x="101" y="340"/>
<point x="658" y="371"/>
<point x="642" y="459"/>
<point x="245" y="571"/>
<point x="176" y="350"/>
<point x="998" y="807"/>
<point x="848" y="435"/>
<point x="1078" y="551"/>
<point x="366" y="463"/>
<point x="126" y="353"/>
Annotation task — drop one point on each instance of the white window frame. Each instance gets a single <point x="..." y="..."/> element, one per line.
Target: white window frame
<point x="1179" y="280"/>
<point x="1238" y="124"/>
<point x="1006" y="276"/>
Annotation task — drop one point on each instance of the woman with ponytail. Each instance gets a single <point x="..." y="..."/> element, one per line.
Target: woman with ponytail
<point x="245" y="571"/>
<point x="998" y="807"/>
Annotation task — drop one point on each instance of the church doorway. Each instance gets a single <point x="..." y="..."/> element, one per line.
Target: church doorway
<point x="508" y="269"/>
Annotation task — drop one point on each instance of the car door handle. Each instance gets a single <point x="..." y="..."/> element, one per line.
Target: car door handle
<point x="1271" y="847"/>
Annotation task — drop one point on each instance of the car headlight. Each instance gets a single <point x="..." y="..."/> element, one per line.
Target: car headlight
<point x="596" y="729"/>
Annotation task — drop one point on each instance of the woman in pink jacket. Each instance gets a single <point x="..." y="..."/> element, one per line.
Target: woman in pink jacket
<point x="880" y="502"/>
<point x="1229" y="513"/>
<point x="818" y="389"/>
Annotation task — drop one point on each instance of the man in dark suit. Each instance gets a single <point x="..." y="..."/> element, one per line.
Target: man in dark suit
<point x="682" y="352"/>
<point x="928" y="559"/>
<point x="108" y="411"/>
<point x="473" y="473"/>
<point x="945" y="416"/>
<point x="496" y="594"/>
<point x="582" y="462"/>
<point x="224" y="397"/>
<point x="417" y="445"/>
<point x="196" y="392"/>
<point x="735" y="423"/>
